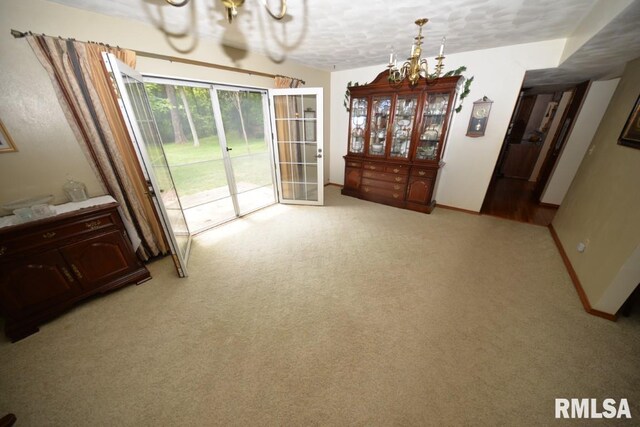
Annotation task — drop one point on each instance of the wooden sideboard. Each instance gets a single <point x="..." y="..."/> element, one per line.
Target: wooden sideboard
<point x="397" y="137"/>
<point x="48" y="265"/>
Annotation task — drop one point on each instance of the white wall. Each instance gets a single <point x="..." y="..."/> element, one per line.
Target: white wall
<point x="590" y="115"/>
<point x="30" y="110"/>
<point x="470" y="161"/>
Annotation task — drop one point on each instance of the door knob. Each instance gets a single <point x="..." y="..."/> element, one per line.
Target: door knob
<point x="319" y="156"/>
<point x="229" y="148"/>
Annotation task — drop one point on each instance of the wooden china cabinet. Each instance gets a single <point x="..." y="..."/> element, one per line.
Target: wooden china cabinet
<point x="397" y="135"/>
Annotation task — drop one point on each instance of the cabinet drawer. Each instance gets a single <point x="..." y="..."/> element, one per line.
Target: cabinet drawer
<point x="381" y="192"/>
<point x="382" y="176"/>
<point x="374" y="166"/>
<point x="383" y="184"/>
<point x="53" y="234"/>
<point x="352" y="164"/>
<point x="397" y="169"/>
<point x="424" y="173"/>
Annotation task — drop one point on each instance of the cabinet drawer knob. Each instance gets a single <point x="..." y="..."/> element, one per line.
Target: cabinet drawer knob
<point x="366" y="189"/>
<point x="396" y="187"/>
<point x="75" y="270"/>
<point x="92" y="224"/>
<point x="396" y="195"/>
<point x="372" y="168"/>
<point x="67" y="275"/>
<point x="396" y="170"/>
<point x="398" y="179"/>
<point x="421" y="173"/>
<point x="49" y="234"/>
<point x="3" y="249"/>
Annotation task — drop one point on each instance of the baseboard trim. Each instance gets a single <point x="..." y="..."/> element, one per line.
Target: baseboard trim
<point x="576" y="282"/>
<point x="548" y="205"/>
<point x="452" y="208"/>
<point x="332" y="184"/>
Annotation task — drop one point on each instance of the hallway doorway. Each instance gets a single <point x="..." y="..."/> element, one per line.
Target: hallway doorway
<point x="514" y="198"/>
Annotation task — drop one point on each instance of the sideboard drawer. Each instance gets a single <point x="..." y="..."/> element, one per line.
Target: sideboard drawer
<point x="390" y="177"/>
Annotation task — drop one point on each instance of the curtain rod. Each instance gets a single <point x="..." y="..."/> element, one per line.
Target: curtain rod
<point x="19" y="34"/>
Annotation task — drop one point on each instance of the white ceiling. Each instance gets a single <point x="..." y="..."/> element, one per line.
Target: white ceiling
<point x="340" y="34"/>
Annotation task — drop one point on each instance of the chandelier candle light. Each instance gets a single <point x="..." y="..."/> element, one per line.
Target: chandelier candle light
<point x="231" y="6"/>
<point x="415" y="67"/>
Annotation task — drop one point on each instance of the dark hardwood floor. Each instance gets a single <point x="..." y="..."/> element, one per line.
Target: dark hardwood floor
<point x="512" y="198"/>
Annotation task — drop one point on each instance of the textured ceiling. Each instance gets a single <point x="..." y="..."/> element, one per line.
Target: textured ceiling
<point x="339" y="34"/>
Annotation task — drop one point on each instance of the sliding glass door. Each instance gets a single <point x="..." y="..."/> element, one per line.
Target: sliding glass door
<point x="217" y="141"/>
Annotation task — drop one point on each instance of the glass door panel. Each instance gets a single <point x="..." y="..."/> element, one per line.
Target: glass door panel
<point x="245" y="122"/>
<point x="298" y="135"/>
<point x="378" y="125"/>
<point x="433" y="116"/>
<point x="136" y="110"/>
<point x="358" y="123"/>
<point x="186" y="124"/>
<point x="403" y="123"/>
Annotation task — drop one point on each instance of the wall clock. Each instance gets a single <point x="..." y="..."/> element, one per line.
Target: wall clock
<point x="479" y="117"/>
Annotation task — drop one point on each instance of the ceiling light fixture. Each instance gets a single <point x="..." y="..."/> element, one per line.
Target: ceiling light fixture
<point x="415" y="67"/>
<point x="232" y="7"/>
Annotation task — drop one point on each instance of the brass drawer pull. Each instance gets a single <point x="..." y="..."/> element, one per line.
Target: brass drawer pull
<point x="68" y="275"/>
<point x="421" y="173"/>
<point x="366" y="189"/>
<point x="353" y="164"/>
<point x="372" y="168"/>
<point x="396" y="170"/>
<point x="49" y="234"/>
<point x="93" y="224"/>
<point x="396" y="187"/>
<point x="396" y="195"/>
<point x="75" y="270"/>
<point x="398" y="179"/>
<point x="3" y="249"/>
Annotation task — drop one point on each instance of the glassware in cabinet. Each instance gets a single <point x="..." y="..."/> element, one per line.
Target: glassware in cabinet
<point x="403" y="122"/>
<point x="378" y="125"/>
<point x="358" y="123"/>
<point x="434" y="113"/>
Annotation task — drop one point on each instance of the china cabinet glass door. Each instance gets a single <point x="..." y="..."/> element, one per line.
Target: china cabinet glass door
<point x="358" y="123"/>
<point x="378" y="124"/>
<point x="403" y="123"/>
<point x="432" y="125"/>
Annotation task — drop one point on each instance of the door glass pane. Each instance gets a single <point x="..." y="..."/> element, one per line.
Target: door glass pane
<point x="151" y="138"/>
<point x="378" y="125"/>
<point x="296" y="131"/>
<point x="433" y="115"/>
<point x="190" y="140"/>
<point x="248" y="144"/>
<point x="403" y="126"/>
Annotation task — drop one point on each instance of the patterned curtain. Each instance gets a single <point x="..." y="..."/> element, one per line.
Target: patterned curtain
<point x="89" y="102"/>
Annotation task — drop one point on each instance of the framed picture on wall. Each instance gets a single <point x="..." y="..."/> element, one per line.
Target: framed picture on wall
<point x="6" y="144"/>
<point x="630" y="135"/>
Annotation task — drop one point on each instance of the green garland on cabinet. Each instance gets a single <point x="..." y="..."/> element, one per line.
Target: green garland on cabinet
<point x="456" y="72"/>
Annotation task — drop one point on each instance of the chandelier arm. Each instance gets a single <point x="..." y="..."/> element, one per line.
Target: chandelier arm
<point x="177" y="3"/>
<point x="283" y="9"/>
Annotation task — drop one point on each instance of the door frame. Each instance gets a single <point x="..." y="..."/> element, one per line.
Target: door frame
<point x="116" y="67"/>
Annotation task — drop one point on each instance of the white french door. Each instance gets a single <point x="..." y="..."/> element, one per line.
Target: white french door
<point x="143" y="130"/>
<point x="296" y="117"/>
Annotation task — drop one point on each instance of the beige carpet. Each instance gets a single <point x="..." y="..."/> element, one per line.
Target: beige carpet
<point x="349" y="314"/>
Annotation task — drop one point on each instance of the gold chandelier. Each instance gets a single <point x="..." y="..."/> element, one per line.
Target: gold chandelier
<point x="415" y="67"/>
<point x="232" y="6"/>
